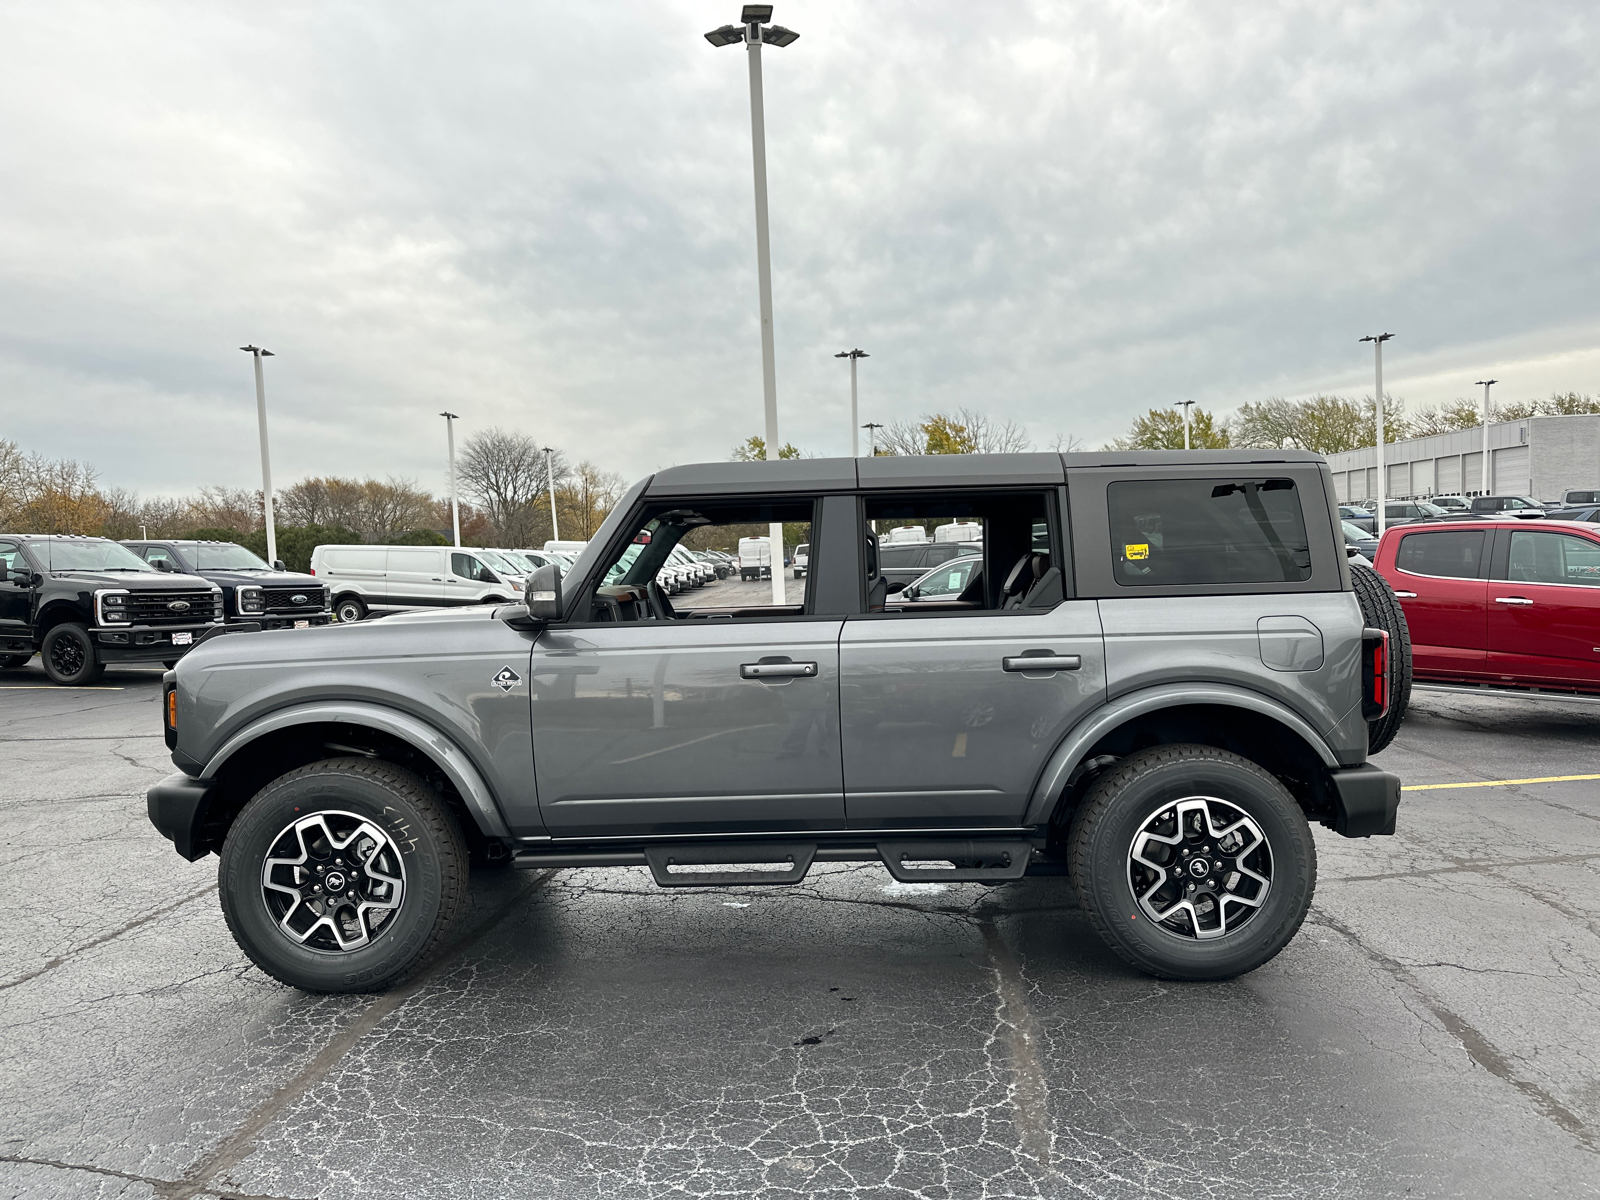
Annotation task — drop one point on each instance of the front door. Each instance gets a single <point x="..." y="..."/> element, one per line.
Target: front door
<point x="16" y="599"/>
<point x="415" y="576"/>
<point x="668" y="726"/>
<point x="1544" y="611"/>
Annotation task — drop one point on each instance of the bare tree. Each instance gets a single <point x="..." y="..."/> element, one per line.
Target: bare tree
<point x="505" y="473"/>
<point x="964" y="431"/>
<point x="392" y="507"/>
<point x="238" y="509"/>
<point x="587" y="499"/>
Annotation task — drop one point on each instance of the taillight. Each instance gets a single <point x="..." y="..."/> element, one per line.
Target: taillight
<point x="1374" y="673"/>
<point x="313" y="570"/>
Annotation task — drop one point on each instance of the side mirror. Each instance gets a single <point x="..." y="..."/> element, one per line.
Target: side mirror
<point x="277" y="565"/>
<point x="161" y="564"/>
<point x="909" y="592"/>
<point x="1351" y="551"/>
<point x="541" y="591"/>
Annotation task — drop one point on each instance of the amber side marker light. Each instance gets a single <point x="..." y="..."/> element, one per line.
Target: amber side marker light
<point x="172" y="709"/>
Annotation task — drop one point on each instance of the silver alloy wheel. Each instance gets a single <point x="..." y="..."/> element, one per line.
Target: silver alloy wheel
<point x="1200" y="867"/>
<point x="332" y="881"/>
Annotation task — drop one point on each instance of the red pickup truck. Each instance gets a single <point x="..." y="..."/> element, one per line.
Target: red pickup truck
<point x="1499" y="603"/>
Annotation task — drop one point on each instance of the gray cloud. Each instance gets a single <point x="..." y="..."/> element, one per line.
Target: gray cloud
<point x="539" y="215"/>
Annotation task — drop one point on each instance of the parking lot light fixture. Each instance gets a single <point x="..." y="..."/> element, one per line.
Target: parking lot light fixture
<point x="258" y="353"/>
<point x="1487" y="475"/>
<point x="855" y="432"/>
<point x="874" y="426"/>
<point x="752" y="17"/>
<point x="1186" y="405"/>
<point x="450" y="420"/>
<point x="1377" y="340"/>
<point x="550" y="478"/>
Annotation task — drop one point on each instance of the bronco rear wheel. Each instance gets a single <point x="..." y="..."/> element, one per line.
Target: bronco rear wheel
<point x="1192" y="862"/>
<point x="344" y="876"/>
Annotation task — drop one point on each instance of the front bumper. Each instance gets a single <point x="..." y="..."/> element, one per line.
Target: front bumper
<point x="279" y="620"/>
<point x="146" y="643"/>
<point x="1366" y="801"/>
<point x="178" y="806"/>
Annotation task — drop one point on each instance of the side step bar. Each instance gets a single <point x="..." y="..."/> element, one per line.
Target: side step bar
<point x="955" y="862"/>
<point x="694" y="864"/>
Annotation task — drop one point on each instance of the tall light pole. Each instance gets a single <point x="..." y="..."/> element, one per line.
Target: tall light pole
<point x="1488" y="476"/>
<point x="1186" y="405"/>
<point x="749" y="31"/>
<point x="855" y="433"/>
<point x="450" y="420"/>
<point x="1377" y="340"/>
<point x="874" y="426"/>
<point x="550" y="478"/>
<point x="258" y="353"/>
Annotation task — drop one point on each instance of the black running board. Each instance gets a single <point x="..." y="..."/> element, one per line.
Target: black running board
<point x="971" y="861"/>
<point x="785" y="862"/>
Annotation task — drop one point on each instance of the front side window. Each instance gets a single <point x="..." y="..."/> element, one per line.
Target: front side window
<point x="1452" y="554"/>
<point x="1554" y="558"/>
<point x="1167" y="532"/>
<point x="464" y="566"/>
<point x="660" y="573"/>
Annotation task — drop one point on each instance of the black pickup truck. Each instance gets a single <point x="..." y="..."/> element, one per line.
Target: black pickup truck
<point x="83" y="602"/>
<point x="266" y="597"/>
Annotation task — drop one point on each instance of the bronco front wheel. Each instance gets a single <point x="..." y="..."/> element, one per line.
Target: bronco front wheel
<point x="1192" y="862"/>
<point x="343" y="876"/>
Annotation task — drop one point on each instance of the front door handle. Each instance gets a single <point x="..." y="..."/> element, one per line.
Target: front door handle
<point x="769" y="670"/>
<point x="1042" y="662"/>
<point x="1518" y="600"/>
<point x="1405" y="595"/>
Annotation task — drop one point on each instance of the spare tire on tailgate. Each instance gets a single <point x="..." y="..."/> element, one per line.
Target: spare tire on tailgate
<point x="1380" y="610"/>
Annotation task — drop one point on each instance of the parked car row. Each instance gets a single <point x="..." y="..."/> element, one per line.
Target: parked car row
<point x="1499" y="603"/>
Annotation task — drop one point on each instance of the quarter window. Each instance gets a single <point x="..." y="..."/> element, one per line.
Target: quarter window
<point x="1167" y="532"/>
<point x="1554" y="558"/>
<point x="1453" y="554"/>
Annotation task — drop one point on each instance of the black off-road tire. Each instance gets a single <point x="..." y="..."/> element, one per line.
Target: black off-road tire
<point x="11" y="662"/>
<point x="350" y="609"/>
<point x="1381" y="610"/>
<point x="69" y="657"/>
<point x="423" y="832"/>
<point x="1121" y="803"/>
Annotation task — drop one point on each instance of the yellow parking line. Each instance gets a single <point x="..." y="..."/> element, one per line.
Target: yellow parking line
<point x="1430" y="787"/>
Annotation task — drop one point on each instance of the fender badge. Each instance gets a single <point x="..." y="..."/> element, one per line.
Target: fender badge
<point x="506" y="679"/>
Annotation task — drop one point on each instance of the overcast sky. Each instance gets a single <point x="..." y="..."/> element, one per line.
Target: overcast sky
<point x="540" y="216"/>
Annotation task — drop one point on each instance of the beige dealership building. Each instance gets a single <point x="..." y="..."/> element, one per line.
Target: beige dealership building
<point x="1541" y="457"/>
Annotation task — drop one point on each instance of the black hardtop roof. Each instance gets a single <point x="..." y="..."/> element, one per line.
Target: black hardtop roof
<point x="941" y="470"/>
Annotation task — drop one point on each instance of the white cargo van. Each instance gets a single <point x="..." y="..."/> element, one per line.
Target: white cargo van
<point x="570" y="549"/>
<point x="364" y="578"/>
<point x="755" y="558"/>
<point x="958" y="531"/>
<point x="901" y="534"/>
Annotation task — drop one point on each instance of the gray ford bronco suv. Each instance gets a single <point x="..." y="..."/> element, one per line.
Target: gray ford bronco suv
<point x="1164" y="670"/>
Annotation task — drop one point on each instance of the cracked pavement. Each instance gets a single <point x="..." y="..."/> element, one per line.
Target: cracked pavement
<point x="1432" y="1031"/>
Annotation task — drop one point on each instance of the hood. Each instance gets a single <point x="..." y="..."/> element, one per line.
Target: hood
<point x="273" y="579"/>
<point x="136" y="581"/>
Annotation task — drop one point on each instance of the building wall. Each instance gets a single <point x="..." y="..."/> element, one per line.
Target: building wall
<point x="1540" y="456"/>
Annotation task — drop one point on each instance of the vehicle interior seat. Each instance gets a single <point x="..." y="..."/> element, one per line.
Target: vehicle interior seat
<point x="1522" y="566"/>
<point x="877" y="585"/>
<point x="1023" y="578"/>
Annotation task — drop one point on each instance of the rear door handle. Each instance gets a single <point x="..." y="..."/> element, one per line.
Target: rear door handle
<point x="763" y="670"/>
<point x="1518" y="600"/>
<point x="1042" y="662"/>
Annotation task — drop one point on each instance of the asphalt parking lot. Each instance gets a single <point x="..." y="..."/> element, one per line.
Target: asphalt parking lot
<point x="1433" y="1030"/>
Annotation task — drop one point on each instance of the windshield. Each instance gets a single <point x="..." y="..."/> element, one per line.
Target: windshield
<point x="1433" y="510"/>
<point x="948" y="579"/>
<point x="87" y="554"/>
<point x="224" y="556"/>
<point x="503" y="563"/>
<point x="1355" y="533"/>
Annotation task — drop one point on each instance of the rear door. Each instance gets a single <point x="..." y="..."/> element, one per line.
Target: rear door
<point x="357" y="568"/>
<point x="1438" y="575"/>
<point x="941" y="723"/>
<point x="1544" y="608"/>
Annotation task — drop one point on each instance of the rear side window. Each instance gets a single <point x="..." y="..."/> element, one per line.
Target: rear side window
<point x="1167" y="532"/>
<point x="1554" y="558"/>
<point x="1453" y="554"/>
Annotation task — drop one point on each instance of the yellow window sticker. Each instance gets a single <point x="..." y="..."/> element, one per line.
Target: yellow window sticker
<point x="1136" y="550"/>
